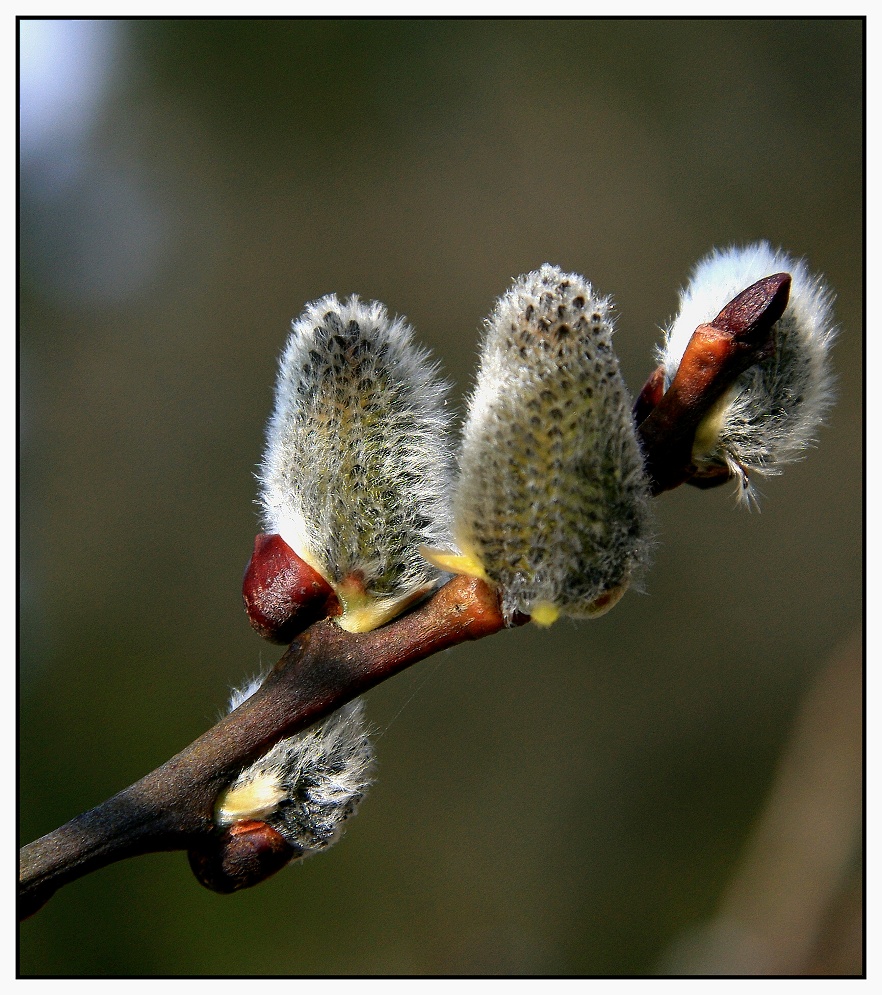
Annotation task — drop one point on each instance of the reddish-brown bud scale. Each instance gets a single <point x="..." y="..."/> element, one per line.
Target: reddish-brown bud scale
<point x="283" y="595"/>
<point x="243" y="855"/>
<point x="718" y="352"/>
<point x="750" y="315"/>
<point x="652" y="393"/>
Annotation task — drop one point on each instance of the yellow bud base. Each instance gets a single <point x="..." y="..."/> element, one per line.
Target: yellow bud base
<point x="454" y="563"/>
<point x="544" y="613"/>
<point x="707" y="435"/>
<point x="254" y="800"/>
<point x="364" y="612"/>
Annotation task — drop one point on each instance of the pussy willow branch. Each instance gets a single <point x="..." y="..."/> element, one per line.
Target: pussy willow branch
<point x="325" y="667"/>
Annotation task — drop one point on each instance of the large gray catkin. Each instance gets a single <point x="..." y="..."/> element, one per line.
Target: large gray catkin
<point x="356" y="472"/>
<point x="551" y="503"/>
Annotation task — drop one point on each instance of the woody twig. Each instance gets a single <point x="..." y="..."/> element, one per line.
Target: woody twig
<point x="325" y="666"/>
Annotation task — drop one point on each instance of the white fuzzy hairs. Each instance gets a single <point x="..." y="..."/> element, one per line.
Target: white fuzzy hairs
<point x="552" y="502"/>
<point x="307" y="785"/>
<point x="356" y="473"/>
<point x="772" y="412"/>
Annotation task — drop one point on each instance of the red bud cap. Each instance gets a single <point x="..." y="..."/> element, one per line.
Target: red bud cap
<point x="245" y="854"/>
<point x="282" y="593"/>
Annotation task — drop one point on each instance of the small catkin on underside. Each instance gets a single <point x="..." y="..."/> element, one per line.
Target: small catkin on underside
<point x="356" y="473"/>
<point x="307" y="785"/>
<point x="552" y="499"/>
<point x="772" y="413"/>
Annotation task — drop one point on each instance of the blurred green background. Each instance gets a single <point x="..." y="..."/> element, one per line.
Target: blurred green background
<point x="577" y="800"/>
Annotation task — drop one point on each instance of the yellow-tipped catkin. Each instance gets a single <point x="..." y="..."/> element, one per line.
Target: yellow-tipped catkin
<point x="308" y="785"/>
<point x="356" y="473"/>
<point x="552" y="500"/>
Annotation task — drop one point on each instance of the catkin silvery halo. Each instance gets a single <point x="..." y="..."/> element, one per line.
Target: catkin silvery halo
<point x="356" y="473"/>
<point x="552" y="501"/>
<point x="307" y="785"/>
<point x="772" y="412"/>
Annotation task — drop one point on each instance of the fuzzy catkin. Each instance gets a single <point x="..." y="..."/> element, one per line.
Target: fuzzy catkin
<point x="552" y="499"/>
<point x="772" y="412"/>
<point x="307" y="785"/>
<point x="356" y="473"/>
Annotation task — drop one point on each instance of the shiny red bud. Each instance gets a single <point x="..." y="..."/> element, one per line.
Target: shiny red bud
<point x="282" y="594"/>
<point x="243" y="855"/>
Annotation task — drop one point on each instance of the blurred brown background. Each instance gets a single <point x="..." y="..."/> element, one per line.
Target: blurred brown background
<point x="673" y="787"/>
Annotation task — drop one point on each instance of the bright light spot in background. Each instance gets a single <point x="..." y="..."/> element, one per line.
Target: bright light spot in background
<point x="91" y="232"/>
<point x="65" y="68"/>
